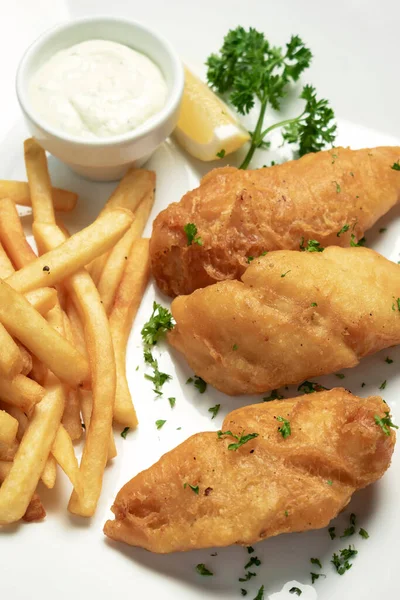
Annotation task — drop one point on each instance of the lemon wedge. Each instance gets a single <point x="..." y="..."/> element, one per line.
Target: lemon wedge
<point x="206" y="128"/>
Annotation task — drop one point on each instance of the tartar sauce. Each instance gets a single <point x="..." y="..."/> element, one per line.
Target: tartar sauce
<point x="97" y="89"/>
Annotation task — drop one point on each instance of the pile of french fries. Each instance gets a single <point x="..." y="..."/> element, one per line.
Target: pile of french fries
<point x="65" y="318"/>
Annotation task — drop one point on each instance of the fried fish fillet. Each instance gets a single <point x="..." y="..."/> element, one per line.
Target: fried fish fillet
<point x="269" y="485"/>
<point x="241" y="214"/>
<point x="294" y="315"/>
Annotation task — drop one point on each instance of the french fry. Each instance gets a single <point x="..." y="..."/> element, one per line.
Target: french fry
<point x="12" y="235"/>
<point x="100" y="350"/>
<point x="8" y="428"/>
<point x="86" y="402"/>
<point x="75" y="252"/>
<point x="35" y="510"/>
<point x="21" y="392"/>
<point x="39" y="371"/>
<point x="8" y="451"/>
<point x="10" y="355"/>
<point x="18" y="192"/>
<point x="26" y="359"/>
<point x="30" y="328"/>
<point x="6" y="266"/>
<point x="63" y="452"/>
<point x="134" y="187"/>
<point x="18" y="415"/>
<point x="39" y="182"/>
<point x="49" y="473"/>
<point x="42" y="299"/>
<point x="115" y="264"/>
<point x="77" y="328"/>
<point x="72" y="412"/>
<point x="20" y="484"/>
<point x="126" y="304"/>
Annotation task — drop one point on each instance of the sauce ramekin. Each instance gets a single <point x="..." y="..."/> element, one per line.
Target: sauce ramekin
<point x="103" y="159"/>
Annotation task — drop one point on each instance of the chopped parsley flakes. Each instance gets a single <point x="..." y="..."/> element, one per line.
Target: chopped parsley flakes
<point x="254" y="560"/>
<point x="156" y="327"/>
<point x="316" y="561"/>
<point x="364" y="534"/>
<point x="172" y="402"/>
<point x="332" y="532"/>
<point x="340" y="375"/>
<point x="385" y="423"/>
<point x="309" y="387"/>
<point x="388" y="360"/>
<point x="260" y="594"/>
<point x="273" y="396"/>
<point x="191" y="231"/>
<point x="284" y="430"/>
<point x="214" y="410"/>
<point x="202" y="570"/>
<point x="338" y="189"/>
<point x="198" y="383"/>
<point x="221" y="153"/>
<point x="248" y="576"/>
<point x="124" y="432"/>
<point x="295" y="590"/>
<point x="315" y="576"/>
<point x="242" y="439"/>
<point x="284" y="274"/>
<point x="160" y="423"/>
<point x="343" y="230"/>
<point x="383" y="385"/>
<point x="194" y="488"/>
<point x="396" y="166"/>
<point x="341" y="561"/>
<point x="312" y="246"/>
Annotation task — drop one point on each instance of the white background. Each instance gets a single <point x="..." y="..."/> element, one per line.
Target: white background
<point x="356" y="66"/>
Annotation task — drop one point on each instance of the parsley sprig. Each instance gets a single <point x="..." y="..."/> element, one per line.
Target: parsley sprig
<point x="385" y="422"/>
<point x="191" y="231"/>
<point x="249" y="69"/>
<point x="152" y="332"/>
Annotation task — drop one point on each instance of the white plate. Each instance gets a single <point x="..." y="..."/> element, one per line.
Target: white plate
<point x="67" y="557"/>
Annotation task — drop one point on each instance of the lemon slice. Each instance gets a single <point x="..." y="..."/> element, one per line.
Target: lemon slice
<point x="206" y="127"/>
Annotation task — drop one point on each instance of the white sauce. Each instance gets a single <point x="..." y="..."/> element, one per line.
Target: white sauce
<point x="97" y="89"/>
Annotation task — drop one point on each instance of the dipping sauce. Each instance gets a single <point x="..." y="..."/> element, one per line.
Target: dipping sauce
<point x="97" y="89"/>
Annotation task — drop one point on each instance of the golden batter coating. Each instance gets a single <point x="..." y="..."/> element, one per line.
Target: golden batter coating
<point x="268" y="486"/>
<point x="241" y="214"/>
<point x="294" y="315"/>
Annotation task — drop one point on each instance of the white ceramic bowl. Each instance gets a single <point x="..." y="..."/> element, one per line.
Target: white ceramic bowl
<point x="106" y="158"/>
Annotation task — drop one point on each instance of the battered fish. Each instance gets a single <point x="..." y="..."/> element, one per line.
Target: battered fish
<point x="295" y="315"/>
<point x="269" y="485"/>
<point x="241" y="214"/>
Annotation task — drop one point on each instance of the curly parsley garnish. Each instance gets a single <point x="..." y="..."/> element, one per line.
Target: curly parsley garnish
<point x="241" y="439"/>
<point x="249" y="69"/>
<point x="191" y="231"/>
<point x="385" y="423"/>
<point x="284" y="430"/>
<point x="156" y="327"/>
<point x="352" y="529"/>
